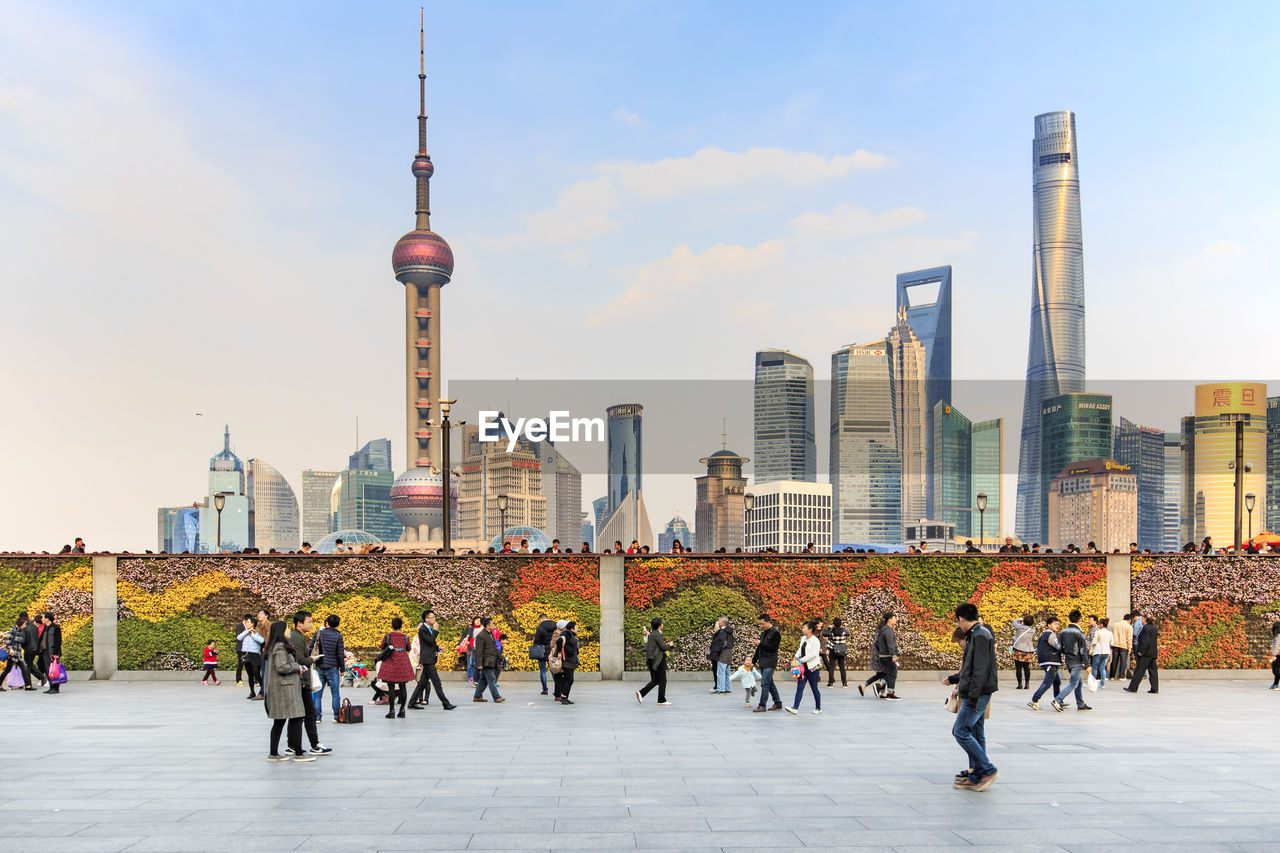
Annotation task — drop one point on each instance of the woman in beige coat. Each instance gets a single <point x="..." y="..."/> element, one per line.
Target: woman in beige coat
<point x="284" y="694"/>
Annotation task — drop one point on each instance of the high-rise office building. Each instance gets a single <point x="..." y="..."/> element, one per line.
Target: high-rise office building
<point x="1170" y="540"/>
<point x="489" y="472"/>
<point x="600" y="516"/>
<point x="423" y="263"/>
<point x="374" y="456"/>
<point x="907" y="360"/>
<point x="866" y="474"/>
<point x="1273" y="465"/>
<point x="273" y="517"/>
<point x="361" y="500"/>
<point x="925" y="295"/>
<point x="1056" y="350"/>
<point x="1073" y="428"/>
<point x="719" y="512"/>
<point x="1187" y="505"/>
<point x="227" y="530"/>
<point x="629" y="522"/>
<point x="624" y="452"/>
<point x="588" y="532"/>
<point x="967" y="462"/>
<point x="562" y="488"/>
<point x="1219" y="405"/>
<point x="1142" y="449"/>
<point x="788" y="515"/>
<point x="785" y="442"/>
<point x="1095" y="500"/>
<point x="167" y="520"/>
<point x="677" y="530"/>
<point x="317" y="517"/>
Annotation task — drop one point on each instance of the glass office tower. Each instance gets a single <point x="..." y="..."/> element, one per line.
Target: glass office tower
<point x="785" y="443"/>
<point x="624" y="449"/>
<point x="1273" y="465"/>
<point x="273" y="517"/>
<point x="1142" y="449"/>
<point x="1056" y="350"/>
<point x="1073" y="428"/>
<point x="866" y="475"/>
<point x="1169" y="541"/>
<point x="967" y="463"/>
<point x="374" y="456"/>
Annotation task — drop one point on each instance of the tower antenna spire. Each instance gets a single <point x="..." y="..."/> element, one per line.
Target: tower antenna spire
<point x="422" y="65"/>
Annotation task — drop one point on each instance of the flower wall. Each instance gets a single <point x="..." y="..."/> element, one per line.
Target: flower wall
<point x="61" y="585"/>
<point x="171" y="606"/>
<point x="691" y="593"/>
<point x="1214" y="612"/>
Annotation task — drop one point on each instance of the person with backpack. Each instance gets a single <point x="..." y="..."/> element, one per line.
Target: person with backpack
<point x="655" y="657"/>
<point x="541" y="647"/>
<point x="565" y="654"/>
<point x="837" y="641"/>
<point x="884" y="659"/>
<point x="1049" y="659"/>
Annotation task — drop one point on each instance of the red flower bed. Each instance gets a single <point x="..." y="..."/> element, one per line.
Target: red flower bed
<point x="576" y="576"/>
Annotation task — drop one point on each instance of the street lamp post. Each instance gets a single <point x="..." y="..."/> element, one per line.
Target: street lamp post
<point x="219" y="501"/>
<point x="1250" y="501"/>
<point x="748" y="504"/>
<point x="502" y="514"/>
<point x="444" y="470"/>
<point x="982" y="512"/>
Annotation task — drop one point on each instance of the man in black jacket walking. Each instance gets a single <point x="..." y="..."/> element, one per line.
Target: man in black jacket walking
<point x="1148" y="649"/>
<point x="486" y="663"/>
<point x="766" y="659"/>
<point x="542" y="638"/>
<point x="428" y="655"/>
<point x="978" y="679"/>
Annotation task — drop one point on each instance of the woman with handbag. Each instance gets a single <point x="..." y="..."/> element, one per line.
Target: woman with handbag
<point x="396" y="671"/>
<point x="809" y="658"/>
<point x="565" y="652"/>
<point x="283" y="699"/>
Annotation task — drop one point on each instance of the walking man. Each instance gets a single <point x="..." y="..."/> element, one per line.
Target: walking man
<point x="722" y="654"/>
<point x="1075" y="653"/>
<point x="978" y="679"/>
<point x="428" y="655"/>
<point x="1121" y="644"/>
<point x="765" y="658"/>
<point x="1049" y="659"/>
<point x="542" y="639"/>
<point x="50" y="646"/>
<point x="837" y="650"/>
<point x="333" y="655"/>
<point x="1148" y="650"/>
<point x="486" y="663"/>
<point x="655" y="657"/>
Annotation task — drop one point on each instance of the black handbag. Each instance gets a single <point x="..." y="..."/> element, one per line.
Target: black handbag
<point x="348" y="713"/>
<point x="537" y="652"/>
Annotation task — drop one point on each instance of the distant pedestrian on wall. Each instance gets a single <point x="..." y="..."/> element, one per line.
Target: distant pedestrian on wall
<point x="1148" y="651"/>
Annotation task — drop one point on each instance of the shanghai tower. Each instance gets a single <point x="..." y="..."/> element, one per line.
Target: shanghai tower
<point x="1055" y="354"/>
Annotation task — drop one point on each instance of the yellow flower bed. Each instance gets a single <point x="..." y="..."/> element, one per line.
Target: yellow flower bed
<point x="177" y="599"/>
<point x="365" y="620"/>
<point x="516" y="640"/>
<point x="80" y="578"/>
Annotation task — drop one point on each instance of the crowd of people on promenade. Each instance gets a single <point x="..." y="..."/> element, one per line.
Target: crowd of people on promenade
<point x="32" y="652"/>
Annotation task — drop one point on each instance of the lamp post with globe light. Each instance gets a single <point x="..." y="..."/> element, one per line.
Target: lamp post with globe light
<point x="748" y="504"/>
<point x="1250" y="501"/>
<point x="502" y="513"/>
<point x="982" y="511"/>
<point x="219" y="501"/>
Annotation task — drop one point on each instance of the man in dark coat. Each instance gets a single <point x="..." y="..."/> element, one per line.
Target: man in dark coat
<point x="486" y="662"/>
<point x="50" y="647"/>
<point x="721" y="654"/>
<point x="1148" y="649"/>
<point x="31" y="646"/>
<point x="766" y="658"/>
<point x="978" y="679"/>
<point x="542" y="637"/>
<point x="428" y="655"/>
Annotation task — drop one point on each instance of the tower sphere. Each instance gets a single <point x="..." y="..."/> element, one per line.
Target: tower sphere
<point x="416" y="498"/>
<point x="423" y="258"/>
<point x="422" y="166"/>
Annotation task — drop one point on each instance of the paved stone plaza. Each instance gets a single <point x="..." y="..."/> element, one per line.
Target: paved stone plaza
<point x="178" y="767"/>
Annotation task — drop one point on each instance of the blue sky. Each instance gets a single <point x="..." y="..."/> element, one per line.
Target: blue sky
<point x="200" y="202"/>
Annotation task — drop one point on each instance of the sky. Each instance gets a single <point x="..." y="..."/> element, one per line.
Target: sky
<point x="199" y="203"/>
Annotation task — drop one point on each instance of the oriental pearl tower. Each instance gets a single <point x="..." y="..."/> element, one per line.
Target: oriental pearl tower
<point x="423" y="263"/>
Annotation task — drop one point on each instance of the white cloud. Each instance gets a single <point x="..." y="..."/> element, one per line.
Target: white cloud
<point x="580" y="215"/>
<point x="848" y="221"/>
<point x="628" y="118"/>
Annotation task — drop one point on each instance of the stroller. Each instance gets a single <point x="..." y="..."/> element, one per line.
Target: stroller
<point x="354" y="674"/>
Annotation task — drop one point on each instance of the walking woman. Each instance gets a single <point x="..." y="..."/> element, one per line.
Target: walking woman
<point x="1275" y="656"/>
<point x="1024" y="649"/>
<point x="884" y="660"/>
<point x="396" y="669"/>
<point x="284" y="694"/>
<point x="809" y="656"/>
<point x="566" y="648"/>
<point x="655" y="657"/>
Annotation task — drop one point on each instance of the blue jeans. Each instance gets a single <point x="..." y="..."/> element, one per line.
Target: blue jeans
<point x="542" y="673"/>
<point x="767" y="687"/>
<point x="722" y="677"/>
<point x="330" y="678"/>
<point x="1050" y="680"/>
<point x="471" y="666"/>
<point x="1100" y="668"/>
<point x="488" y="676"/>
<point x="811" y="677"/>
<point x="1074" y="684"/>
<point x="970" y="733"/>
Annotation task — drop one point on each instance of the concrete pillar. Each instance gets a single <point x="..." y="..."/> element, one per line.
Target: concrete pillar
<point x="612" y="601"/>
<point x="1119" y="574"/>
<point x="104" y="617"/>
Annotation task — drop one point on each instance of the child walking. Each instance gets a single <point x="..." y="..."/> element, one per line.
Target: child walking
<point x="749" y="677"/>
<point x="210" y="664"/>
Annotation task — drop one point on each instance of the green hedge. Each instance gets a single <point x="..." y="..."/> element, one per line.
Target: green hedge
<point x="160" y="645"/>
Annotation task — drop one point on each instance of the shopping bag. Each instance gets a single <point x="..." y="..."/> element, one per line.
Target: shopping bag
<point x="57" y="672"/>
<point x="15" y="678"/>
<point x="349" y="713"/>
<point x="952" y="703"/>
<point x="1092" y="683"/>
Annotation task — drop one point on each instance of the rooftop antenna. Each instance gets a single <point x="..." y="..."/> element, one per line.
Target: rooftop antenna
<point x="724" y="433"/>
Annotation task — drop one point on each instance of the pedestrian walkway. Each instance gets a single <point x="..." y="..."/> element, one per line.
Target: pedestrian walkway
<point x="180" y="767"/>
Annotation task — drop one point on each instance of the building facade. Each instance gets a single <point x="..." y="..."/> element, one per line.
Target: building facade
<point x="1171" y="540"/>
<point x="624" y="447"/>
<point x="1219" y="406"/>
<point x="787" y="515"/>
<point x="317" y="514"/>
<point x="588" y="532"/>
<point x="785" y="442"/>
<point x="1272" y="516"/>
<point x="719" y="510"/>
<point x="866" y="474"/>
<point x="1188" y="510"/>
<point x="677" y="530"/>
<point x="968" y="461"/>
<point x="1056" y="349"/>
<point x="273" y="516"/>
<point x="1095" y="500"/>
<point x="1142" y="449"/>
<point x="374" y="456"/>
<point x="925" y="296"/>
<point x="562" y="488"/>
<point x="909" y="394"/>
<point x="1073" y="428"/>
<point x="361" y="500"/>
<point x="489" y="471"/>
<point x="228" y="530"/>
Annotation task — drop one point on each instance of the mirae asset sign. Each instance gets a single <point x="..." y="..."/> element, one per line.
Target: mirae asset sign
<point x="557" y="426"/>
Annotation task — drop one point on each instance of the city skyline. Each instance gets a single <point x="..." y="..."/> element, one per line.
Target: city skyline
<point x="845" y="188"/>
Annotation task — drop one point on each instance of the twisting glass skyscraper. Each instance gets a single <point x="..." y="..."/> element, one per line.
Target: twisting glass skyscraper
<point x="1055" y="355"/>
